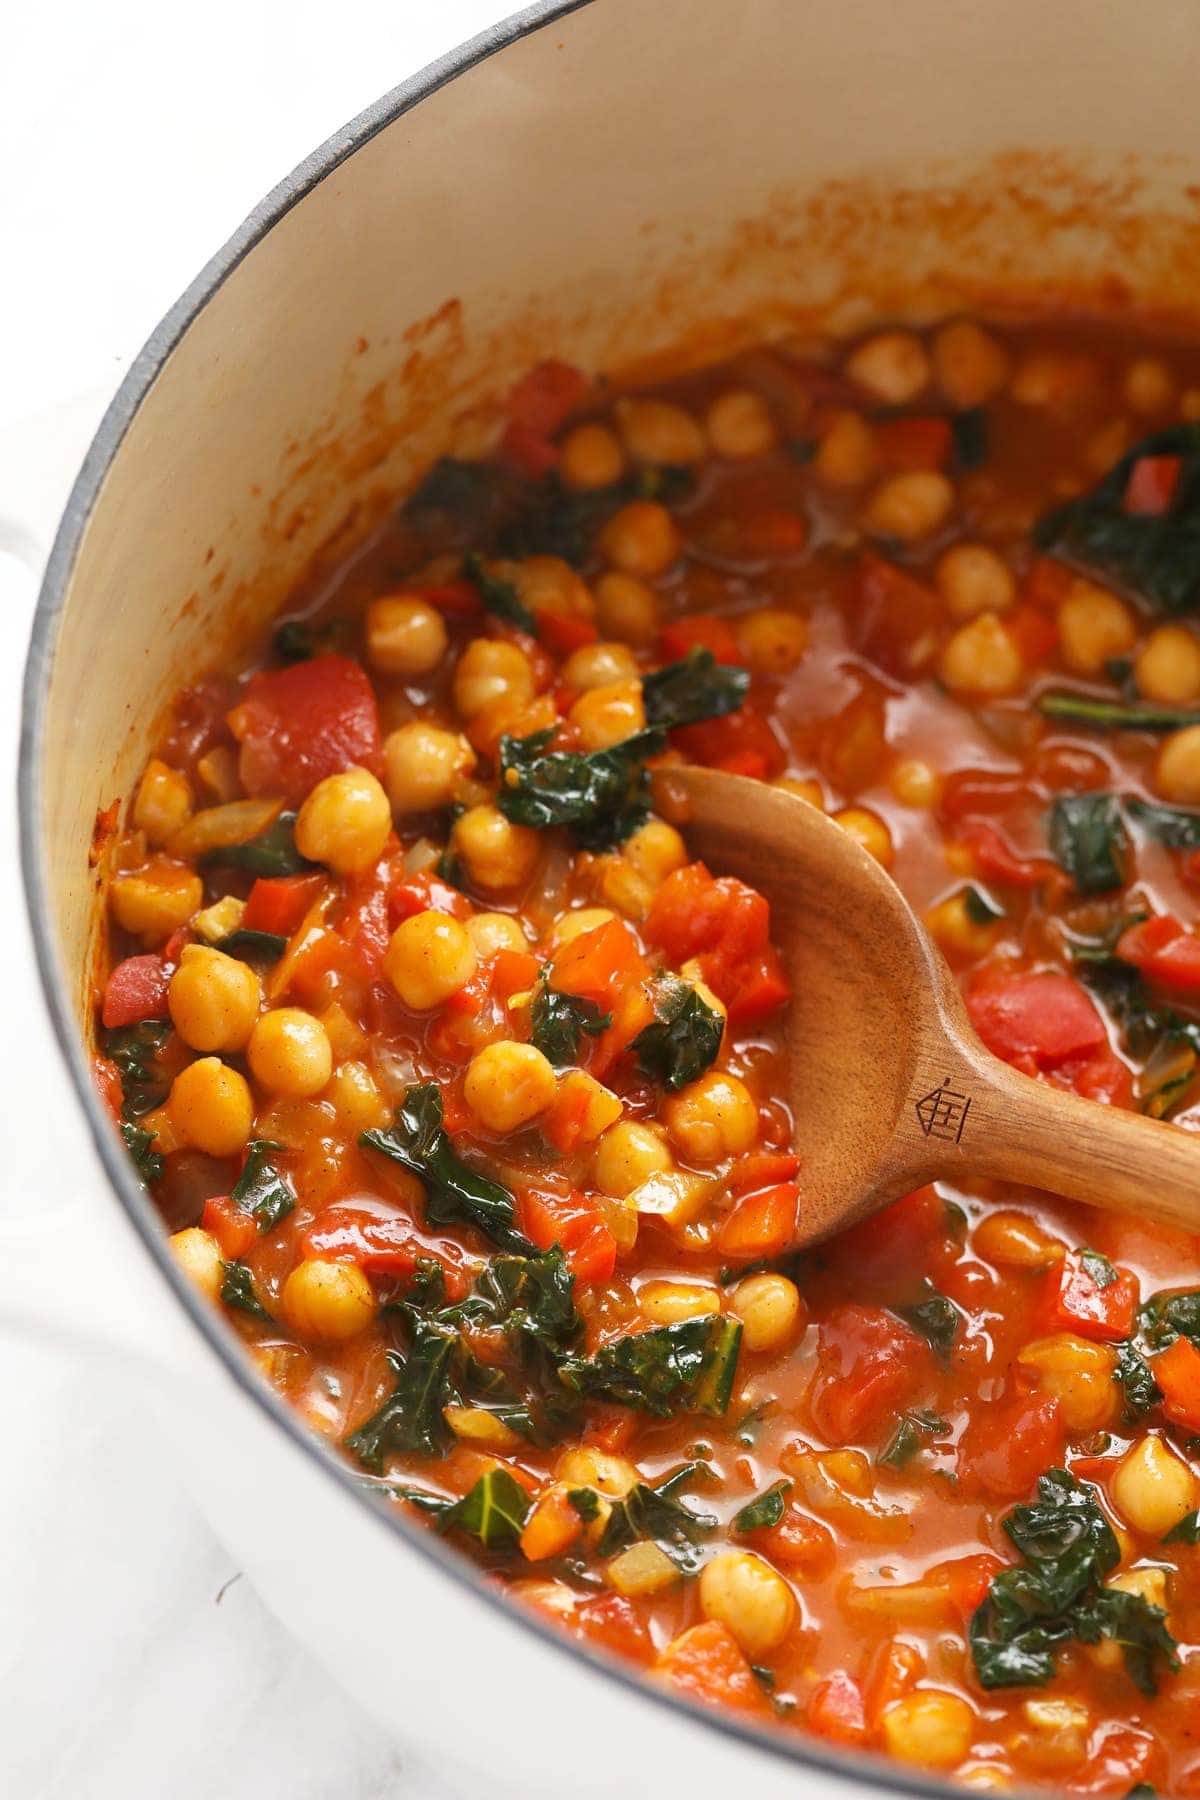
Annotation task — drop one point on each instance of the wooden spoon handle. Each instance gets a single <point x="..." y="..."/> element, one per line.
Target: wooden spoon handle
<point x="1017" y="1129"/>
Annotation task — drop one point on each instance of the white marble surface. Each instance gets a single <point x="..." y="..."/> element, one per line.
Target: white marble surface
<point x="134" y="1660"/>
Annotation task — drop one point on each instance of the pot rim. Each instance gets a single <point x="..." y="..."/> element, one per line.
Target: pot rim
<point x="796" y="1749"/>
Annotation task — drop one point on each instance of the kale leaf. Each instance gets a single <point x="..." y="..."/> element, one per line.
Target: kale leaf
<point x="1115" y="715"/>
<point x="1058" y="1594"/>
<point x="556" y="1021"/>
<point x="455" y="1194"/>
<point x="764" y="1510"/>
<point x="689" y="1365"/>
<point x="237" y="1290"/>
<point x="1186" y="1532"/>
<point x="254" y="946"/>
<point x="533" y="1297"/>
<point x="139" y="1143"/>
<point x="411" y="1416"/>
<point x="1140" y="1390"/>
<point x="1178" y="827"/>
<point x="697" y="687"/>
<point x="493" y="1511"/>
<point x="1171" y="1313"/>
<point x="135" y="1050"/>
<point x="1088" y="839"/>
<point x="273" y="852"/>
<point x="936" y="1318"/>
<point x="906" y="1440"/>
<point x="603" y="795"/>
<point x="650" y="1510"/>
<point x="498" y="596"/>
<point x="1156" y="557"/>
<point x="260" y="1189"/>
<point x="684" y="1039"/>
<point x="463" y="493"/>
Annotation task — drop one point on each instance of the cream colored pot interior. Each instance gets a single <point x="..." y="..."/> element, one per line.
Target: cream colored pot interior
<point x="624" y="179"/>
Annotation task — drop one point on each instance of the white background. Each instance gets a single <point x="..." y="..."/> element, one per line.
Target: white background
<point x="133" y="139"/>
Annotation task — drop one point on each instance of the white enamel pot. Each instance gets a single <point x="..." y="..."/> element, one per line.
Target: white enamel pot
<point x="595" y="181"/>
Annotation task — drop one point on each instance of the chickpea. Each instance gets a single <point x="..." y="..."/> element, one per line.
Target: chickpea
<point x="655" y="850"/>
<point x="1057" y="1732"/>
<point x="490" y="669"/>
<point x="892" y="366"/>
<point x="612" y="1476"/>
<point x="491" y="932"/>
<point x="1093" y="627"/>
<point x="356" y="1100"/>
<point x="199" y="1256"/>
<point x="963" y="937"/>
<point x="712" y="1118"/>
<point x="1167" y="667"/>
<point x="213" y="999"/>
<point x="867" y="829"/>
<point x="1177" y="766"/>
<point x="915" y="783"/>
<point x="910" y="506"/>
<point x="289" y="1053"/>
<point x="548" y="584"/>
<point x="497" y="853"/>
<point x="429" y="957"/>
<point x="981" y="658"/>
<point x="970" y="364"/>
<point x="507" y="1085"/>
<point x="210" y="1107"/>
<point x="1013" y="1240"/>
<point x="1079" y="1374"/>
<point x="972" y="579"/>
<point x="640" y="539"/>
<point x="1153" y="1488"/>
<point x="751" y="1599"/>
<point x="812" y="791"/>
<point x="627" y="1155"/>
<point x="598" y="666"/>
<point x="345" y="822"/>
<point x="1149" y="386"/>
<point x="327" y="1302"/>
<point x="405" y="635"/>
<point x="164" y="801"/>
<point x="739" y="424"/>
<point x="607" y="715"/>
<point x="667" y="1302"/>
<point x="846" y="454"/>
<point x="423" y="765"/>
<point x="590" y="457"/>
<point x="929" y="1727"/>
<point x="772" y="640"/>
<point x="657" y="431"/>
<point x="570" y="925"/>
<point x="155" y="900"/>
<point x="626" y="608"/>
<point x="770" y="1309"/>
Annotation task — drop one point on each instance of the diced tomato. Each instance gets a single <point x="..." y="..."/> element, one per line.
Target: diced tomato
<point x="771" y="531"/>
<point x="895" y="618"/>
<point x="457" y="599"/>
<point x="1177" y="1372"/>
<point x="537" y="406"/>
<point x="1164" y="951"/>
<point x="1122" y="1758"/>
<point x="381" y="1243"/>
<point x="1008" y="1444"/>
<point x="754" y="1173"/>
<point x="892" y="1672"/>
<point x="574" y="1222"/>
<point x="425" y="892"/>
<point x="704" y="1663"/>
<point x="687" y="913"/>
<point x="234" y="1230"/>
<point x="513" y="972"/>
<point x="868" y="1364"/>
<point x="1048" y="583"/>
<point x="632" y="1011"/>
<point x="761" y="988"/>
<point x="298" y="725"/>
<point x="1034" y="634"/>
<point x="615" y="1624"/>
<point x="909" y="1234"/>
<point x="700" y="630"/>
<point x="528" y="450"/>
<point x="727" y="925"/>
<point x="278" y="903"/>
<point x="761" y="1224"/>
<point x="742" y="743"/>
<point x="799" y="1542"/>
<point x="565" y="632"/>
<point x="1151" y="485"/>
<point x="136" y="990"/>
<point x="1074" y="1299"/>
<point x="1096" y="1075"/>
<point x="997" y="862"/>
<point x="967" y="1579"/>
<point x="1034" y="1020"/>
<point x="598" y="964"/>
<point x="914" y="443"/>
<point x="835" y="1709"/>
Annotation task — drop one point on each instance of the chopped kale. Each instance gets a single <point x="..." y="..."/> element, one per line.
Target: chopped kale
<point x="586" y="1502"/>
<point x="981" y="907"/>
<point x="493" y="1511"/>
<point x="685" y="1038"/>
<point x="1115" y="715"/>
<point x="1140" y="1390"/>
<point x="533" y="1297"/>
<point x="697" y="687"/>
<point x="936" y="1318"/>
<point x="139" y="1143"/>
<point x="970" y="435"/>
<point x="272" y="852"/>
<point x="1088" y="839"/>
<point x="650" y="1510"/>
<point x="237" y="1290"/>
<point x="1172" y="1313"/>
<point x="1178" y="827"/>
<point x="1186" y="1532"/>
<point x="294" y="641"/>
<point x="1058" y="1593"/>
<point x="260" y="1189"/>
<point x="686" y="1366"/>
<point x="1155" y="557"/>
<point x="556" y="1021"/>
<point x="602" y="795"/>
<point x="411" y="1416"/>
<point x="764" y="1510"/>
<point x="498" y="596"/>
<point x="455" y="1194"/>
<point x="1098" y="1268"/>
<point x="463" y="493"/>
<point x="254" y="946"/>
<point x="135" y="1050"/>
<point x="907" y="1439"/>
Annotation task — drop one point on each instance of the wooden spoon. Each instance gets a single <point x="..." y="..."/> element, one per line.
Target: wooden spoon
<point x="890" y="1086"/>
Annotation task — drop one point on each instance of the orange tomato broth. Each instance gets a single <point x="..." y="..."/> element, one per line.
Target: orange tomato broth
<point x="790" y="550"/>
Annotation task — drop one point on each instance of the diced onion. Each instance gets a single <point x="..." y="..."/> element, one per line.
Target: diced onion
<point x="223" y="827"/>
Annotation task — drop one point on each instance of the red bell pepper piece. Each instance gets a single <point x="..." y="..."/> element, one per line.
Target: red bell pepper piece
<point x="1076" y="1298"/>
<point x="1164" y="951"/>
<point x="765" y="1169"/>
<point x="278" y="903"/>
<point x="597" y="965"/>
<point x="1151" y="485"/>
<point x="235" y="1231"/>
<point x="741" y="742"/>
<point x="537" y="406"/>
<point x="835" y="1710"/>
<point x="701" y="631"/>
<point x="576" y="1223"/>
<point x="762" y="1224"/>
<point x="1177" y="1372"/>
<point x="564" y="632"/>
<point x="893" y="613"/>
<point x="136" y="990"/>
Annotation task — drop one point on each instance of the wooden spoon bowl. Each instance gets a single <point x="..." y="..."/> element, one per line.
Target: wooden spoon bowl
<point x="888" y="1083"/>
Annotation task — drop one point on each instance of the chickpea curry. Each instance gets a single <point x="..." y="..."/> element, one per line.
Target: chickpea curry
<point x="456" y="1078"/>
